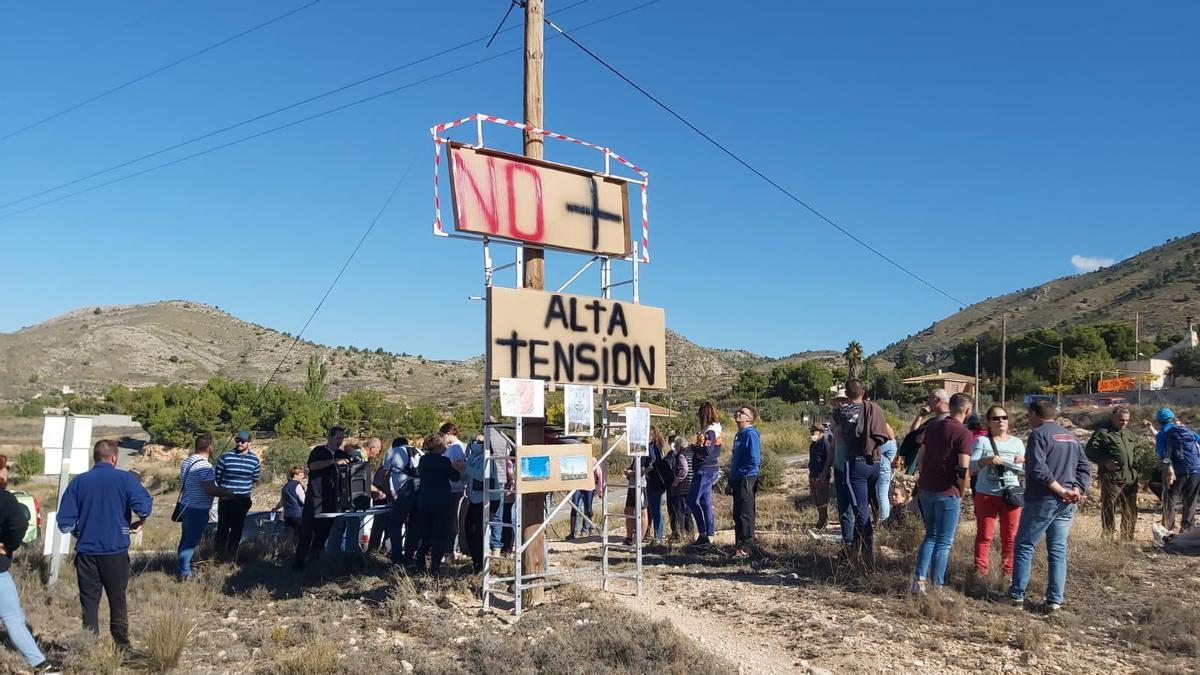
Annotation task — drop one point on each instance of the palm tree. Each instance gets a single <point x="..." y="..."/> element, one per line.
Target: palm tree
<point x="854" y="359"/>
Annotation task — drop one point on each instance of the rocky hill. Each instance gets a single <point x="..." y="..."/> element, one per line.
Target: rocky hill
<point x="178" y="341"/>
<point x="1162" y="284"/>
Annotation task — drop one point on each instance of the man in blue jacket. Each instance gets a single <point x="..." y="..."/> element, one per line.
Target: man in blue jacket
<point x="743" y="478"/>
<point x="98" y="509"/>
<point x="1178" y="449"/>
<point x="1058" y="475"/>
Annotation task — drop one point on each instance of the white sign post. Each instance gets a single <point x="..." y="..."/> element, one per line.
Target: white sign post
<point x="70" y="452"/>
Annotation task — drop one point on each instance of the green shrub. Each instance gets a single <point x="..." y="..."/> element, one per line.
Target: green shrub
<point x="26" y="464"/>
<point x="285" y="453"/>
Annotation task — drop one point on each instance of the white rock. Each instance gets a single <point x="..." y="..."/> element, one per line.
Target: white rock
<point x="408" y="667"/>
<point x="585" y="605"/>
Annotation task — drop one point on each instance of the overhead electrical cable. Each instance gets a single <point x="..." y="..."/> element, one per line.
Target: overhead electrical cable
<point x="302" y="120"/>
<point x="321" y="303"/>
<point x="788" y="193"/>
<point x="152" y="73"/>
<point x="256" y="118"/>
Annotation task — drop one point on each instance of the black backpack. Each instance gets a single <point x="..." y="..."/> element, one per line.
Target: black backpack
<point x="661" y="474"/>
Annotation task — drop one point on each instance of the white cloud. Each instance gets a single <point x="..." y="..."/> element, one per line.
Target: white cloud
<point x="1085" y="264"/>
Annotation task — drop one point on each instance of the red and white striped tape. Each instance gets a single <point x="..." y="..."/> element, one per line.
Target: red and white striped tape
<point x="438" y="142"/>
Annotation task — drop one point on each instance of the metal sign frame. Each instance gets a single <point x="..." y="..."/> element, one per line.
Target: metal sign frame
<point x="514" y="585"/>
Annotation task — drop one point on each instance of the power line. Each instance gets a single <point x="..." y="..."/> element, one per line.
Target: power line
<point x="346" y="265"/>
<point x="788" y="193"/>
<point x="302" y="120"/>
<point x="256" y="118"/>
<point x="154" y="72"/>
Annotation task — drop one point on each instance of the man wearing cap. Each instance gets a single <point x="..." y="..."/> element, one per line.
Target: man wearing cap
<point x="237" y="471"/>
<point x="1178" y="449"/>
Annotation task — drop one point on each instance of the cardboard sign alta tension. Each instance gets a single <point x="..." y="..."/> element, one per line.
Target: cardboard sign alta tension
<point x="513" y="197"/>
<point x="575" y="339"/>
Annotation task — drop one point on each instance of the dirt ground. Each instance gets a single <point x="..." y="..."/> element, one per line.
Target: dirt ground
<point x="795" y="606"/>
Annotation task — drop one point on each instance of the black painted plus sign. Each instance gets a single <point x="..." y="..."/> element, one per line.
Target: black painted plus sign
<point x="594" y="211"/>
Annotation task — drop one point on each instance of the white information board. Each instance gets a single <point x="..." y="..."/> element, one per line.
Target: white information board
<point x="52" y="442"/>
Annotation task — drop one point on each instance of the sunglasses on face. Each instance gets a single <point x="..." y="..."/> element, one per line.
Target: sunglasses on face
<point x="998" y="418"/>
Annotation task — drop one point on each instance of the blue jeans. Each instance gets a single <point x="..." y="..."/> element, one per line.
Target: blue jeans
<point x="700" y="500"/>
<point x="654" y="505"/>
<point x="941" y="520"/>
<point x="343" y="536"/>
<point x="191" y="530"/>
<point x="1053" y="518"/>
<point x="582" y="499"/>
<point x="853" y="497"/>
<point x="14" y="621"/>
<point x="882" y="487"/>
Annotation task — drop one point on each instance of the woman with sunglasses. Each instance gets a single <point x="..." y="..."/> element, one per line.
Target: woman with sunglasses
<point x="988" y="459"/>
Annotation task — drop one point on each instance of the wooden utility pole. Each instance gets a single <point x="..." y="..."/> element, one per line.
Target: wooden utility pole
<point x="533" y="505"/>
<point x="975" y="403"/>
<point x="1003" y="357"/>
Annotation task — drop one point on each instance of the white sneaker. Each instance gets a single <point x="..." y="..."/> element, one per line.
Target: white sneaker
<point x="917" y="586"/>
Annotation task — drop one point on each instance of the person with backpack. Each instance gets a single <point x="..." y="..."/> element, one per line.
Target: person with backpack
<point x="1058" y="475"/>
<point x="682" y="461"/>
<point x="744" y="467"/>
<point x="997" y="490"/>
<point x="860" y="429"/>
<point x="945" y="465"/>
<point x="197" y="488"/>
<point x="401" y="463"/>
<point x="1178" y="450"/>
<point x="1113" y="448"/>
<point x="707" y="451"/>
<point x="14" y="521"/>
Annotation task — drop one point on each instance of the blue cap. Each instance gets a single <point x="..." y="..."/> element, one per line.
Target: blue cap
<point x="243" y="436"/>
<point x="1165" y="415"/>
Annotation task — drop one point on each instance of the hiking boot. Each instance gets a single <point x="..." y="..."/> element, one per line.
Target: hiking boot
<point x="1019" y="603"/>
<point x="570" y="537"/>
<point x="740" y="552"/>
<point x="917" y="586"/>
<point x="1052" y="607"/>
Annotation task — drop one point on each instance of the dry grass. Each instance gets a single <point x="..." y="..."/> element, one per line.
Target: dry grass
<point x="314" y="657"/>
<point x="1167" y="624"/>
<point x="167" y="635"/>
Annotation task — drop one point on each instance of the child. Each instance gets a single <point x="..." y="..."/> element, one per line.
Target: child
<point x="435" y="505"/>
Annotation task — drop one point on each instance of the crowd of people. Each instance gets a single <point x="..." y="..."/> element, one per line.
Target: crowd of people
<point x="1028" y="491"/>
<point x="438" y="495"/>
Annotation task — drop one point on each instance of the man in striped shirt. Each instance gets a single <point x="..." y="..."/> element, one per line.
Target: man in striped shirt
<point x="237" y="472"/>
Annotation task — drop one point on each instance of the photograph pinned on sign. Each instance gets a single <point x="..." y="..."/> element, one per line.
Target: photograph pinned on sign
<point x="522" y="398"/>
<point x="637" y="431"/>
<point x="578" y="410"/>
<point x="535" y="468"/>
<point x="573" y="467"/>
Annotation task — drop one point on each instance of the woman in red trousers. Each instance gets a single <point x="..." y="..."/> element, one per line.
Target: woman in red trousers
<point x="996" y="459"/>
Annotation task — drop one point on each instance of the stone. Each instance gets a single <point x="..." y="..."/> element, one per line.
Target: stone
<point x="585" y="605"/>
<point x="408" y="667"/>
<point x="868" y="620"/>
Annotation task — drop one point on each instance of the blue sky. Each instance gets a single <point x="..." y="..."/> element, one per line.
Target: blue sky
<point x="982" y="146"/>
